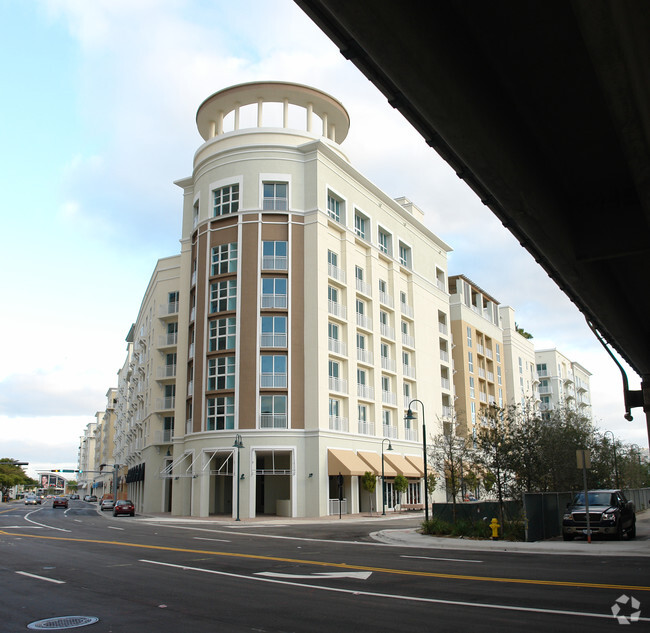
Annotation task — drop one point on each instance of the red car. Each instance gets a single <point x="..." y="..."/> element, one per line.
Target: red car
<point x="60" y="502"/>
<point x="124" y="506"/>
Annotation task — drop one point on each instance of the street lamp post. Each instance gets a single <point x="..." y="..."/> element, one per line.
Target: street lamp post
<point x="411" y="416"/>
<point x="238" y="445"/>
<point x="383" y="478"/>
<point x="615" y="461"/>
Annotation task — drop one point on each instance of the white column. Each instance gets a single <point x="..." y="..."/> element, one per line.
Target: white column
<point x="237" y="117"/>
<point x="310" y="110"/>
<point x="285" y="114"/>
<point x="220" y="122"/>
<point x="213" y="129"/>
<point x="325" y="125"/>
<point x="259" y="112"/>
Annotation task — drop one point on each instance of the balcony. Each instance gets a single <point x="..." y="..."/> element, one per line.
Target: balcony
<point x="389" y="431"/>
<point x="164" y="404"/>
<point x="388" y="363"/>
<point x="366" y="428"/>
<point x="444" y="383"/>
<point x="337" y="423"/>
<point x="411" y="435"/>
<point x="365" y="391"/>
<point x="406" y="310"/>
<point x="337" y="309"/>
<point x="490" y="376"/>
<point x="363" y="287"/>
<point x="273" y="420"/>
<point x="277" y="301"/>
<point x="488" y="353"/>
<point x="336" y="273"/>
<point x="408" y="371"/>
<point x="273" y="381"/>
<point x="339" y="385"/>
<point x="163" y="437"/>
<point x="364" y="356"/>
<point x="442" y="328"/>
<point x="483" y="397"/>
<point x="273" y="340"/>
<point x="168" y="310"/>
<point x="274" y="262"/>
<point x="168" y="340"/>
<point x="364" y="321"/>
<point x="165" y="372"/>
<point x="388" y="397"/>
<point x="444" y="355"/>
<point x="408" y="340"/>
<point x="337" y="346"/>
<point x="386" y="299"/>
<point x="387" y="331"/>
<point x="446" y="411"/>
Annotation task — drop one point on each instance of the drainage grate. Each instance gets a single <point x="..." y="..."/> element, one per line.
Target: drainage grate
<point x="64" y="622"/>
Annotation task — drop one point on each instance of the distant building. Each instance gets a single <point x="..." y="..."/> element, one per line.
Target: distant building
<point x="562" y="382"/>
<point x="522" y="382"/>
<point x="479" y="362"/>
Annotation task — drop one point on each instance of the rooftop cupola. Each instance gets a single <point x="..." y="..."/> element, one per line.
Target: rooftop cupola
<point x="277" y="105"/>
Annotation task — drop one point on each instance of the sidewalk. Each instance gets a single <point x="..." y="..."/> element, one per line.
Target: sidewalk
<point x="410" y="537"/>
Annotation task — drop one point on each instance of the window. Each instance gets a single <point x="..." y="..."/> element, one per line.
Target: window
<point x="195" y="214"/>
<point x="332" y="259"/>
<point x="385" y="417"/>
<point x="362" y="413"/>
<point x="224" y="259"/>
<point x="332" y="294"/>
<point x="405" y="328"/>
<point x="498" y="351"/>
<point x="473" y="410"/>
<point x="385" y="384"/>
<point x="334" y="408"/>
<point x="361" y="341"/>
<point x="383" y="318"/>
<point x="221" y="334"/>
<point x="406" y="390"/>
<point x="172" y="302"/>
<point x="333" y="331"/>
<point x="521" y="366"/>
<point x="469" y="336"/>
<point x="273" y="372"/>
<point x="384" y="241"/>
<point x="360" y="225"/>
<point x="404" y="255"/>
<point x="472" y="392"/>
<point x="470" y="361"/>
<point x="383" y="287"/>
<point x="223" y="296"/>
<point x="273" y="412"/>
<point x="221" y="414"/>
<point x="226" y="200"/>
<point x="335" y="207"/>
<point x="361" y="377"/>
<point x="334" y="369"/>
<point x="275" y="196"/>
<point x="274" y="331"/>
<point x="358" y="273"/>
<point x="274" y="255"/>
<point x="499" y="375"/>
<point x="221" y="373"/>
<point x="274" y="292"/>
<point x="361" y="307"/>
<point x="385" y="352"/>
<point x="406" y="358"/>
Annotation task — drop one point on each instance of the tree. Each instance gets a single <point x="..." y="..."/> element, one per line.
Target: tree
<point x="401" y="485"/>
<point x="12" y="475"/>
<point x="369" y="483"/>
<point x="523" y="332"/>
<point x="494" y="451"/>
<point x="447" y="453"/>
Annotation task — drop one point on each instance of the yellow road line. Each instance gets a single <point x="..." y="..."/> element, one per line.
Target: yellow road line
<point x="384" y="570"/>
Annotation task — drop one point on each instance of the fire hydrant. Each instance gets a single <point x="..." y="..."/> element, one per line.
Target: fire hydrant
<point x="494" y="526"/>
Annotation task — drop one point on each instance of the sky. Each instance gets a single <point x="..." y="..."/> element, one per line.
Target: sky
<point x="97" y="120"/>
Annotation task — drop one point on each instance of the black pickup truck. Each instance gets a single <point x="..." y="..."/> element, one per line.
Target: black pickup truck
<point x="610" y="514"/>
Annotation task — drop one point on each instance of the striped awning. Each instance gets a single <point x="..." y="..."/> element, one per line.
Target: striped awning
<point x="401" y="465"/>
<point x="344" y="462"/>
<point x="374" y="461"/>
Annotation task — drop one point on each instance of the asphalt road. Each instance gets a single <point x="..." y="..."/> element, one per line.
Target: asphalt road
<point x="140" y="576"/>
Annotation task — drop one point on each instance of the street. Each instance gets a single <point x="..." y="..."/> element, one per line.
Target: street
<point x="154" y="575"/>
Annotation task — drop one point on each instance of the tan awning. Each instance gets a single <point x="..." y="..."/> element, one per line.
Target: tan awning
<point x="374" y="461"/>
<point x="344" y="462"/>
<point x="417" y="462"/>
<point x="401" y="465"/>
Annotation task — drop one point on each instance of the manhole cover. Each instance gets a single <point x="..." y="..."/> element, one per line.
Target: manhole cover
<point x="64" y="622"/>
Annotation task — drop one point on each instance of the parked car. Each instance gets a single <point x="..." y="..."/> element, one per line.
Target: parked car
<point x="32" y="500"/>
<point x="107" y="504"/>
<point x="610" y="514"/>
<point x="90" y="498"/>
<point x="124" y="506"/>
<point x="74" y="496"/>
<point x="60" y="502"/>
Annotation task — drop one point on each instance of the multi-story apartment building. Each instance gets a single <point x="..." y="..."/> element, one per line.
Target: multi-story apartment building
<point x="104" y="434"/>
<point x="518" y="354"/>
<point x="272" y="366"/>
<point x="562" y="382"/>
<point x="478" y="353"/>
<point x="146" y="391"/>
<point x="86" y="459"/>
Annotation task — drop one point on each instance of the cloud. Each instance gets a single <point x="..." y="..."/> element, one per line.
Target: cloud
<point x="47" y="394"/>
